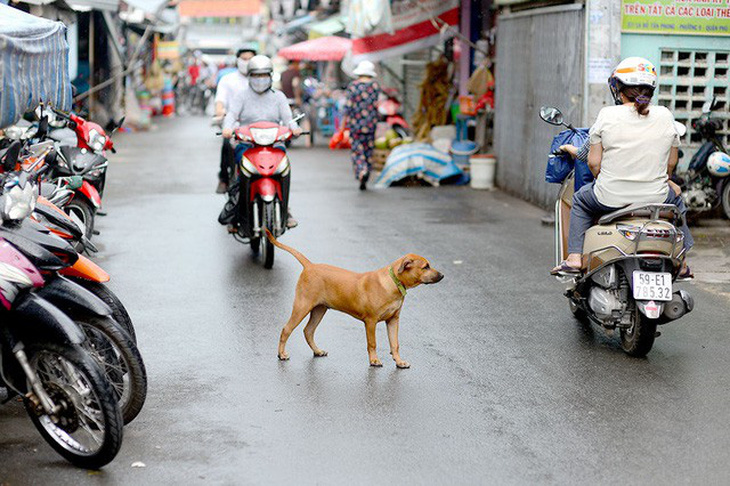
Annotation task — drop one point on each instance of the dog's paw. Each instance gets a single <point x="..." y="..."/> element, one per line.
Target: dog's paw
<point x="283" y="356"/>
<point x="320" y="354"/>
<point x="402" y="364"/>
<point x="376" y="362"/>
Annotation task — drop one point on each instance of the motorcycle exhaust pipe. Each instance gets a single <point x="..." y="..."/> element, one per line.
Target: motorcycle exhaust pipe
<point x="682" y="303"/>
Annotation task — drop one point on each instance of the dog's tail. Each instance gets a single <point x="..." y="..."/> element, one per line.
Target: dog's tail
<point x="302" y="259"/>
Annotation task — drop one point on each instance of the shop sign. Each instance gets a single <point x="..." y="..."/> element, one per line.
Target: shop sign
<point x="688" y="17"/>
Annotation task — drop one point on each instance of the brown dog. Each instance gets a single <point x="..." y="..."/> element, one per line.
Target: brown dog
<point x="370" y="297"/>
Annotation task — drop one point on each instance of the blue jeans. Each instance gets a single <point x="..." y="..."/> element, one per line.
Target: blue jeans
<point x="586" y="209"/>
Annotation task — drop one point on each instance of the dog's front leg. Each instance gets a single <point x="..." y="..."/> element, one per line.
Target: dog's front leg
<point x="372" y="346"/>
<point x="393" y="340"/>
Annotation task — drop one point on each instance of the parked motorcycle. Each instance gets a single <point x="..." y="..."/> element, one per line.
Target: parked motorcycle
<point x="108" y="343"/>
<point x="390" y="110"/>
<point x="261" y="197"/>
<point x="87" y="158"/>
<point x="632" y="257"/>
<point x="43" y="361"/>
<point x="706" y="185"/>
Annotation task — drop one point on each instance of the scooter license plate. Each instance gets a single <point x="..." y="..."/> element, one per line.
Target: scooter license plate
<point x="652" y="286"/>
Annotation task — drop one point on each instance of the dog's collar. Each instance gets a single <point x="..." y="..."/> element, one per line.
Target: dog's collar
<point x="397" y="282"/>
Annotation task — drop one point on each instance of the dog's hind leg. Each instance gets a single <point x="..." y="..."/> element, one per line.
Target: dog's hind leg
<point x="315" y="317"/>
<point x="298" y="313"/>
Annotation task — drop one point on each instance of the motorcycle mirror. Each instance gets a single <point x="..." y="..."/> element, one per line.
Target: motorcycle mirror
<point x="42" y="127"/>
<point x="10" y="159"/>
<point x="551" y="115"/>
<point x="118" y="124"/>
<point x="709" y="105"/>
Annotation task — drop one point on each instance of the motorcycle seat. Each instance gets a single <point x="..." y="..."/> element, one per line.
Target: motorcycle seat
<point x="666" y="212"/>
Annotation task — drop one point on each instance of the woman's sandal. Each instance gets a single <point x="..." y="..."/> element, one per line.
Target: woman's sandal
<point x="564" y="269"/>
<point x="685" y="275"/>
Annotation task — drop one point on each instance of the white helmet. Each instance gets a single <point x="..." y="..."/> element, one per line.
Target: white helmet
<point x="632" y="71"/>
<point x="719" y="164"/>
<point x="260" y="64"/>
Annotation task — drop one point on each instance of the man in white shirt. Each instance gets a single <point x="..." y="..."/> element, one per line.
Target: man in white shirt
<point x="229" y="86"/>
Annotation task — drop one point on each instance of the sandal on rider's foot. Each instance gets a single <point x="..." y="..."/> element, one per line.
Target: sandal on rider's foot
<point x="685" y="275"/>
<point x="565" y="269"/>
<point x="290" y="221"/>
<point x="232" y="229"/>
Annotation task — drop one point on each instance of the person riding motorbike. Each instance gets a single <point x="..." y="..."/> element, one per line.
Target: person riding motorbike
<point x="258" y="102"/>
<point x="228" y="86"/>
<point x="633" y="152"/>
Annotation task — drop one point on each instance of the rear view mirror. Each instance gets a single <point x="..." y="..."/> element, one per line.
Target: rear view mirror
<point x="551" y="115"/>
<point x="42" y="127"/>
<point x="709" y="105"/>
<point x="10" y="157"/>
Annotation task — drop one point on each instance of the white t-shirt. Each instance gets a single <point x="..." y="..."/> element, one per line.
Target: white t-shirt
<point x="229" y="86"/>
<point x="635" y="154"/>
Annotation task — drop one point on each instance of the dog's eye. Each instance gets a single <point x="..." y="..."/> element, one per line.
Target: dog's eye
<point x="427" y="267"/>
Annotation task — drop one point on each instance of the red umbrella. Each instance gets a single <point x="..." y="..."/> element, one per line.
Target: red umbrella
<point x="330" y="48"/>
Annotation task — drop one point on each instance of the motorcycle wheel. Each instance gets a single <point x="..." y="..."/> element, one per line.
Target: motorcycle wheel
<point x="267" y="248"/>
<point x="120" y="360"/>
<point x="88" y="428"/>
<point x="726" y="200"/>
<point x="638" y="339"/>
<point x="119" y="312"/>
<point x="84" y="212"/>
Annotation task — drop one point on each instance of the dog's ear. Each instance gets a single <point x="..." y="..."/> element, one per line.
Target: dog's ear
<point x="405" y="264"/>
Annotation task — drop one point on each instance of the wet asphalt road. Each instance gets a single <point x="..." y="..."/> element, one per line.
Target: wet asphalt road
<point x="505" y="387"/>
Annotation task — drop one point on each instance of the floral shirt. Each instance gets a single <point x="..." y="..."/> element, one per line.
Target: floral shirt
<point x="361" y="109"/>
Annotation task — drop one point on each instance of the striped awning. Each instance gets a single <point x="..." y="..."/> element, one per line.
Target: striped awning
<point x="33" y="64"/>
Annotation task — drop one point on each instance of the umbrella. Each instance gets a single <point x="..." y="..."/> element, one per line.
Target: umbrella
<point x="330" y="48"/>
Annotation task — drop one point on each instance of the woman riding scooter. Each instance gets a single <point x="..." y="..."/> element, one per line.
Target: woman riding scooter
<point x="259" y="102"/>
<point x="633" y="151"/>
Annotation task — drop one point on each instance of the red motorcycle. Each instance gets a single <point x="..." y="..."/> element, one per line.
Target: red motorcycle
<point x="86" y="157"/>
<point x="260" y="197"/>
<point x="390" y="110"/>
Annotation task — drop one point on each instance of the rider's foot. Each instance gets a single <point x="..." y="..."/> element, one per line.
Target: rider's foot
<point x="291" y="222"/>
<point x="232" y="228"/>
<point x="222" y="188"/>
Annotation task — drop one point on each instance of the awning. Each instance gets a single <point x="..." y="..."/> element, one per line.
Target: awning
<point x="331" y="26"/>
<point x="320" y="49"/>
<point x="33" y="64"/>
<point x="413" y="30"/>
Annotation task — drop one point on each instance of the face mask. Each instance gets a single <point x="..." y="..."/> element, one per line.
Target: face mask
<point x="242" y="65"/>
<point x="260" y="85"/>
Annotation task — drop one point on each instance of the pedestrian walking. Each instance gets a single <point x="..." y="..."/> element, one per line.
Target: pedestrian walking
<point x="361" y="116"/>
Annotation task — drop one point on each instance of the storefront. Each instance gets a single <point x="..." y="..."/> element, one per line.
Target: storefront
<point x="689" y="42"/>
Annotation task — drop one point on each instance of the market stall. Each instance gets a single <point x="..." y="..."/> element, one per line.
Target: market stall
<point x="33" y="64"/>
